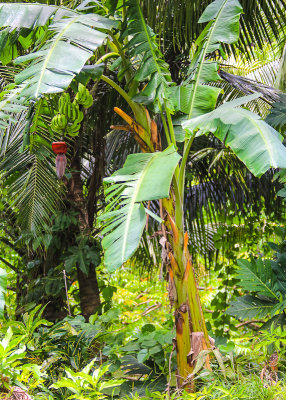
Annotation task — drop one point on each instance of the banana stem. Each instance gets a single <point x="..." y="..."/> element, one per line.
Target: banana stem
<point x="170" y="123"/>
<point x="187" y="148"/>
<point x="166" y="129"/>
<point x="106" y="57"/>
<point x="120" y="91"/>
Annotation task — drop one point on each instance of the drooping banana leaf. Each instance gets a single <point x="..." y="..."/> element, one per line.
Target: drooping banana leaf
<point x="180" y="98"/>
<point x="145" y="176"/>
<point x="20" y="15"/>
<point x="54" y="66"/>
<point x="21" y="23"/>
<point x="255" y="142"/>
<point x="73" y="38"/>
<point x="194" y="96"/>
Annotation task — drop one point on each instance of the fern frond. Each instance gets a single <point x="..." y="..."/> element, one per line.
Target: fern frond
<point x="249" y="307"/>
<point x="257" y="276"/>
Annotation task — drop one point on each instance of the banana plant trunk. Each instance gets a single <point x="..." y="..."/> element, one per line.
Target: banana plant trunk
<point x="189" y="318"/>
<point x="191" y="331"/>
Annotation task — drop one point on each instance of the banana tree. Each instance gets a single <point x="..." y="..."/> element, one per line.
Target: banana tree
<point x="146" y="177"/>
<point x="155" y="173"/>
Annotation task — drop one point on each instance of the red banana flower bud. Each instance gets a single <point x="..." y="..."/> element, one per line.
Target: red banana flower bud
<point x="61" y="163"/>
<point x="60" y="148"/>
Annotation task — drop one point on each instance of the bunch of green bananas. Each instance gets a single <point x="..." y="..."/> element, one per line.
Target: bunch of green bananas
<point x="70" y="114"/>
<point x="83" y="96"/>
<point x="59" y="123"/>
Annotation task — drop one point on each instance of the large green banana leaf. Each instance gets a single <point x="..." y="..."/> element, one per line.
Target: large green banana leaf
<point x="54" y="66"/>
<point x="145" y="54"/>
<point x="16" y="20"/>
<point x="255" y="142"/>
<point x="222" y="18"/>
<point x="145" y="176"/>
<point x="194" y="97"/>
<point x="19" y="15"/>
<point x="74" y="38"/>
<point x="180" y="97"/>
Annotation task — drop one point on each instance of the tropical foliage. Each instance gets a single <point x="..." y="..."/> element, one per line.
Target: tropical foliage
<point x="183" y="175"/>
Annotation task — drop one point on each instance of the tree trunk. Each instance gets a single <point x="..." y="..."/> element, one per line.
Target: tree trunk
<point x="88" y="285"/>
<point x="88" y="292"/>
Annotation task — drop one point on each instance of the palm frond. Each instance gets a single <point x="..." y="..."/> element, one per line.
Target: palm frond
<point x="33" y="188"/>
<point x="177" y="22"/>
<point x="29" y="173"/>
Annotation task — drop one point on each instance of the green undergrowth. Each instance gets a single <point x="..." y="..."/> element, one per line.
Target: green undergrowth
<point x="121" y="355"/>
<point x="249" y="388"/>
<point x="126" y="351"/>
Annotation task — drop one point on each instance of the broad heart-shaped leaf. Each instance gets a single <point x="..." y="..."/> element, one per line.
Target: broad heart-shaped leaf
<point x="248" y="307"/>
<point x="3" y="288"/>
<point x="255" y="142"/>
<point x="63" y="56"/>
<point x="145" y="176"/>
<point x="257" y="276"/>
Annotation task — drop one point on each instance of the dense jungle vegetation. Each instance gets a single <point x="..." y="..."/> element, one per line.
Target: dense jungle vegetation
<point x="142" y="200"/>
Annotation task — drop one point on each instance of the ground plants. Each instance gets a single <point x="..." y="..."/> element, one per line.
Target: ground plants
<point x="264" y="279"/>
<point x="83" y="384"/>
